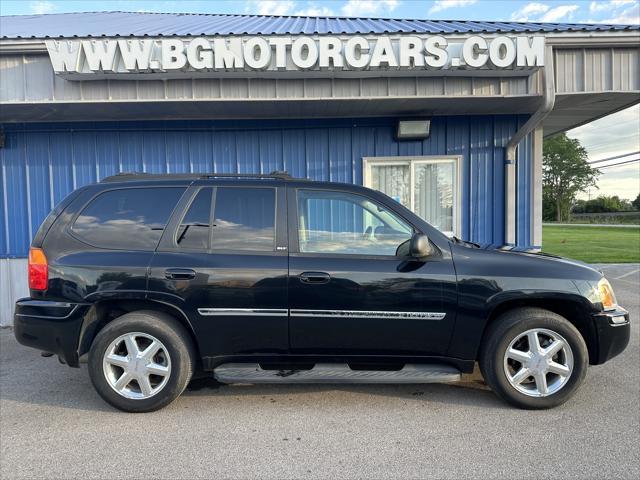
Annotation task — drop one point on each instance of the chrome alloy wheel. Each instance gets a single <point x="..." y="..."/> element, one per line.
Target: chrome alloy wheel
<point x="136" y="365"/>
<point x="538" y="362"/>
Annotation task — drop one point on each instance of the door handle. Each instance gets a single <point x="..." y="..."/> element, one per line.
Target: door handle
<point x="179" y="274"/>
<point x="315" y="277"/>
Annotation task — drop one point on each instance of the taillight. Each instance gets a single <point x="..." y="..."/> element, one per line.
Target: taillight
<point x="38" y="269"/>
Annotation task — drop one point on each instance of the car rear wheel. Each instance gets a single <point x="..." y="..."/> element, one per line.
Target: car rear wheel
<point x="533" y="358"/>
<point x="141" y="361"/>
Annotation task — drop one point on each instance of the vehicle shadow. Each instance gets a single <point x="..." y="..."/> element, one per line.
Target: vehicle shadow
<point x="27" y="378"/>
<point x="471" y="391"/>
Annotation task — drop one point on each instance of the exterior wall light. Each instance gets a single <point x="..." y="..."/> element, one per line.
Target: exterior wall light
<point x="413" y="129"/>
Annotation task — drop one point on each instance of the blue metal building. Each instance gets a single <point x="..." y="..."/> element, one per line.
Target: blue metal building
<point x="66" y="122"/>
<point x="42" y="163"/>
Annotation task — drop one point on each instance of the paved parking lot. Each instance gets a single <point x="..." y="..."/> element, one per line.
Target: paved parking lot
<point x="53" y="425"/>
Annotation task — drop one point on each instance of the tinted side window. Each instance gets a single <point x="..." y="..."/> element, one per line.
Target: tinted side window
<point x="337" y="222"/>
<point x="129" y="218"/>
<point x="244" y="219"/>
<point x="194" y="228"/>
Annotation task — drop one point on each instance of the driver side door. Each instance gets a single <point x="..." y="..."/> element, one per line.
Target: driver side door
<point x="350" y="293"/>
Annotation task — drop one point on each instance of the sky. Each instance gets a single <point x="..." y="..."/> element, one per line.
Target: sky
<point x="608" y="137"/>
<point x="614" y="135"/>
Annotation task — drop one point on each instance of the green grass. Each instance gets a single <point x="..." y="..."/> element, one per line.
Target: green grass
<point x="592" y="244"/>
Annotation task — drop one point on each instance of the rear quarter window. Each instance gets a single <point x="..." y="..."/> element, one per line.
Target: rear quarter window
<point x="128" y="218"/>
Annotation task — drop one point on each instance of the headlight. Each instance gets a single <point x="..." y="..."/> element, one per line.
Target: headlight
<point x="605" y="295"/>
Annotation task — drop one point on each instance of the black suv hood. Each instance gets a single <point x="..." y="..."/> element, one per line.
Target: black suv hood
<point x="525" y="264"/>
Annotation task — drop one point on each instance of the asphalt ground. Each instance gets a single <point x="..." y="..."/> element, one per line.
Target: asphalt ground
<point x="53" y="425"/>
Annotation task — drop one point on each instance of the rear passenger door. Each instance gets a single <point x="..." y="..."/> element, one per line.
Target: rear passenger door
<point x="223" y="261"/>
<point x="100" y="247"/>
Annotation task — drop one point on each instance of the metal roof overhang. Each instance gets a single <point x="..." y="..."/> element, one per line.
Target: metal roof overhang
<point x="570" y="110"/>
<point x="574" y="109"/>
<point x="238" y="109"/>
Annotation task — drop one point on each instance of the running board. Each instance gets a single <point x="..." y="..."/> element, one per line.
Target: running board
<point x="335" y="373"/>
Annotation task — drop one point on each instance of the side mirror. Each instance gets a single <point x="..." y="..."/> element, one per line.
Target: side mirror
<point x="420" y="246"/>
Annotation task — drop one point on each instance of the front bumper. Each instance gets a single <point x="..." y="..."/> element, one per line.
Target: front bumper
<point x="49" y="326"/>
<point x="614" y="330"/>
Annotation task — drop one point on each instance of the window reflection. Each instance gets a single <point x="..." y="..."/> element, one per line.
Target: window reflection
<point x="244" y="219"/>
<point x="335" y="222"/>
<point x="129" y="218"/>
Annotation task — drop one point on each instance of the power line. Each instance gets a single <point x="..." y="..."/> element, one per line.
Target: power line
<point x="614" y="158"/>
<point x="620" y="163"/>
<point x="608" y="143"/>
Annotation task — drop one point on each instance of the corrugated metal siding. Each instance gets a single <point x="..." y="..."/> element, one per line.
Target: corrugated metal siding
<point x="524" y="185"/>
<point x="109" y="24"/>
<point x="30" y="78"/>
<point x="582" y="70"/>
<point x="41" y="163"/>
<point x="13" y="279"/>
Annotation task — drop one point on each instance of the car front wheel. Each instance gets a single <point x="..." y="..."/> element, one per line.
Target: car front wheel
<point x="141" y="361"/>
<point x="533" y="358"/>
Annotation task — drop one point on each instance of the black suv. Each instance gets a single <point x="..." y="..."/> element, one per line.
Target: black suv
<point x="266" y="278"/>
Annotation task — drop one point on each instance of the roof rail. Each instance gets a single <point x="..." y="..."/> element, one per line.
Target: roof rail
<point x="281" y="175"/>
<point x="123" y="176"/>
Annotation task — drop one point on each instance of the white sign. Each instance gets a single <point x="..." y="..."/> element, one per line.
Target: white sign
<point x="114" y="57"/>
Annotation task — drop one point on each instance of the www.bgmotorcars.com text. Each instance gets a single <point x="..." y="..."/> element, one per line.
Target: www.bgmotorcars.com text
<point x="279" y="53"/>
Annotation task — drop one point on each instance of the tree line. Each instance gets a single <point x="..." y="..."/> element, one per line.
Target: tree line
<point x="606" y="204"/>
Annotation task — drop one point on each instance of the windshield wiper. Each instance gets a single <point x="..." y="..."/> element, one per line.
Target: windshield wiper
<point x="465" y="242"/>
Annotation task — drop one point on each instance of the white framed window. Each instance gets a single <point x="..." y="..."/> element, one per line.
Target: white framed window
<point x="428" y="185"/>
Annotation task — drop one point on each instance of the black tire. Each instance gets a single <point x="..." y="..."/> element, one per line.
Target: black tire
<point x="166" y="329"/>
<point x="504" y="330"/>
